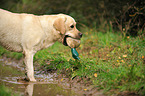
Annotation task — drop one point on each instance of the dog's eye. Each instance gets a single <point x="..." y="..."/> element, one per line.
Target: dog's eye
<point x="72" y="26"/>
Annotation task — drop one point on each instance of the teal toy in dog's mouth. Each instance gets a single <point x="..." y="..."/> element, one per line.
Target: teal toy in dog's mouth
<point x="73" y="43"/>
<point x="75" y="54"/>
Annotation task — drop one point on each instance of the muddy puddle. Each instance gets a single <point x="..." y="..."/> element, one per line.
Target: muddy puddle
<point x="45" y="87"/>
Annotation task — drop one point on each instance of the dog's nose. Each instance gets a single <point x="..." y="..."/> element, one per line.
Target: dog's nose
<point x="80" y="34"/>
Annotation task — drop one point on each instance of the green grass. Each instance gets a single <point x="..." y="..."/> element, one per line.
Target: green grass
<point x="5" y="91"/>
<point x="8" y="54"/>
<point x="109" y="60"/>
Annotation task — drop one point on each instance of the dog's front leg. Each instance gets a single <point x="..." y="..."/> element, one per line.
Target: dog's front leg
<point x="29" y="64"/>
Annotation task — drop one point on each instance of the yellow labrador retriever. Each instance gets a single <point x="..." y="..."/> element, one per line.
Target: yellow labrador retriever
<point x="29" y="33"/>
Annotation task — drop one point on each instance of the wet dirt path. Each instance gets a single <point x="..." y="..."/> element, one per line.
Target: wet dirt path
<point x="45" y="87"/>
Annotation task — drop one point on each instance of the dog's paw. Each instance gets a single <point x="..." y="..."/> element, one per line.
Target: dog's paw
<point x="33" y="80"/>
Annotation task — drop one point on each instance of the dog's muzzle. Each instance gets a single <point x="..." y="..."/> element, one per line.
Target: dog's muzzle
<point x="64" y="41"/>
<point x="72" y="42"/>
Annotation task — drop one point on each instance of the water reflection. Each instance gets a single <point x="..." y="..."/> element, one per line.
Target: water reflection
<point x="29" y="90"/>
<point x="45" y="87"/>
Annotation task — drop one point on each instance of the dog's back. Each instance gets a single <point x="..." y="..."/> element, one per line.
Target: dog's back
<point x="20" y="30"/>
<point x="10" y="33"/>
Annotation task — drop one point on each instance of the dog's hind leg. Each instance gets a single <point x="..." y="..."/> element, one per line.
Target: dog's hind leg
<point x="28" y="60"/>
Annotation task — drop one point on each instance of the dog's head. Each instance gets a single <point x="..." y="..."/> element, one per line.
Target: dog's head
<point x="66" y="25"/>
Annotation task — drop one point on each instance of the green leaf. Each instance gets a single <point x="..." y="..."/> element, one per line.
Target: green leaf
<point x="130" y="50"/>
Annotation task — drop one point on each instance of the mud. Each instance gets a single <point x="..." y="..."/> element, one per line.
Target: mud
<point x="12" y="74"/>
<point x="46" y="86"/>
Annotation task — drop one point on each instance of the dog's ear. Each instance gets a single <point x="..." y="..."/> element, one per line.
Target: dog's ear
<point x="59" y="24"/>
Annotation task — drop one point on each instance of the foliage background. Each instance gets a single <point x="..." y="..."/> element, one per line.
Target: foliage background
<point x="126" y="16"/>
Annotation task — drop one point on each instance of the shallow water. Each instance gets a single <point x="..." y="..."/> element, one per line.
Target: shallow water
<point x="45" y="87"/>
